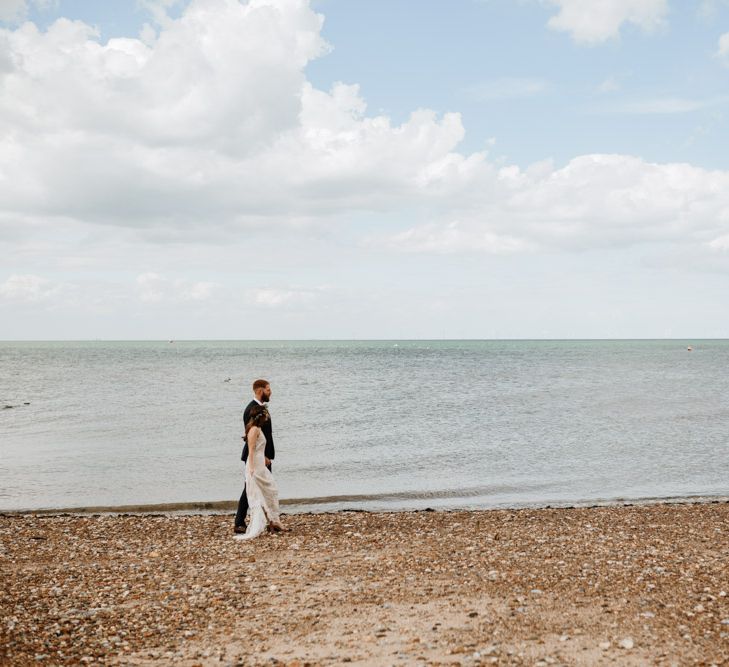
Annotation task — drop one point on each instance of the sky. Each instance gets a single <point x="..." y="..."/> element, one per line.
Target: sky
<point x="328" y="169"/>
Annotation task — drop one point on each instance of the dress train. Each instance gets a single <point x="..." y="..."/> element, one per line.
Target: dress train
<point x="262" y="493"/>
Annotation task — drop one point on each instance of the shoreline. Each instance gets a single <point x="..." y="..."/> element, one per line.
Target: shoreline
<point x="626" y="584"/>
<point x="224" y="506"/>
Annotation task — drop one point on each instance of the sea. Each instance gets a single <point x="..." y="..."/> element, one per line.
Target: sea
<point x="365" y="425"/>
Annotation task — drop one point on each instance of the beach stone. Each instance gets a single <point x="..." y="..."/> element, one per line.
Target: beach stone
<point x="626" y="643"/>
<point x="604" y="646"/>
<point x="116" y="600"/>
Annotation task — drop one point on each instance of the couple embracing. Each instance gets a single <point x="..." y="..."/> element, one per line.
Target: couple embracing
<point x="260" y="493"/>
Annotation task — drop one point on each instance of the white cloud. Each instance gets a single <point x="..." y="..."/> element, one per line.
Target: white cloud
<point x="213" y="123"/>
<point x="708" y="9"/>
<point x="226" y="76"/>
<point x="27" y="288"/>
<point x="274" y="297"/>
<point x="16" y="10"/>
<point x="661" y="105"/>
<point x="455" y="237"/>
<point x="595" y="22"/>
<point x="723" y="51"/>
<point x="159" y="9"/>
<point x="595" y="201"/>
<point x="151" y="288"/>
<point x="154" y="288"/>
<point x="12" y="10"/>
<point x="200" y="291"/>
<point x="720" y="243"/>
<point x="210" y="128"/>
<point x="609" y="85"/>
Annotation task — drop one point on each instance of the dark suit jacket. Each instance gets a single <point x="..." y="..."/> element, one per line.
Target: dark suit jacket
<point x="267" y="431"/>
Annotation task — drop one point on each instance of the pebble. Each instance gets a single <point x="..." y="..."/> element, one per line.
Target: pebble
<point x="179" y="589"/>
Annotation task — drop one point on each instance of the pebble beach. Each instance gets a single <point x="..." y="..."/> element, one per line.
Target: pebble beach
<point x="618" y="585"/>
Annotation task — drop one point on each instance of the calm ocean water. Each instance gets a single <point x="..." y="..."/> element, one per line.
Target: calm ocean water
<point x="372" y="425"/>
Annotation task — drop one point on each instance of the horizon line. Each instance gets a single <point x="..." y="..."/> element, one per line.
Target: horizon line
<point x="340" y="340"/>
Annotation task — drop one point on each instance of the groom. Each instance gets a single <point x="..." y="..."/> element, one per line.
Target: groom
<point x="261" y="396"/>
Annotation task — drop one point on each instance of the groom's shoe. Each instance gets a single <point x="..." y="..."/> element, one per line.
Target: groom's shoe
<point x="239" y="530"/>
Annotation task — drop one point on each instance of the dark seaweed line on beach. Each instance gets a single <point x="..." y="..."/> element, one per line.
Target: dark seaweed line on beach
<point x="229" y="505"/>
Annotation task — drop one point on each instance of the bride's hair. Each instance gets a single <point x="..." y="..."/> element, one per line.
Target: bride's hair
<point x="257" y="417"/>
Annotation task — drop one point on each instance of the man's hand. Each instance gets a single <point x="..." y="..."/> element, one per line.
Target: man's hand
<point x="268" y="461"/>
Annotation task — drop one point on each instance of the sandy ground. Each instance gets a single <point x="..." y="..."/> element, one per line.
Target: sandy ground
<point x="633" y="585"/>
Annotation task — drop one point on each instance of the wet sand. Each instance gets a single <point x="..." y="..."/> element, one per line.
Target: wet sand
<point x="629" y="585"/>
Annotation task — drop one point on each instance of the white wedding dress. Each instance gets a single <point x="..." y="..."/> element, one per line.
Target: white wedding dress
<point x="262" y="492"/>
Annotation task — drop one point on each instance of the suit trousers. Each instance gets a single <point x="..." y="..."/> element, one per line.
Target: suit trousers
<point x="240" y="515"/>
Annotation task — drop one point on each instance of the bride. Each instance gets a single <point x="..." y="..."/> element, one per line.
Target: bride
<point x="260" y="486"/>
